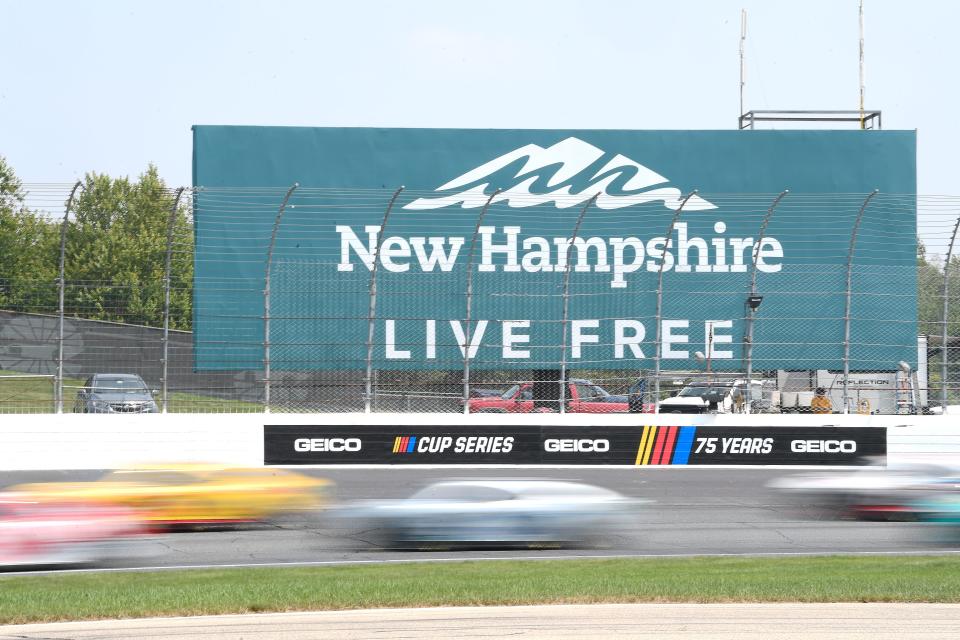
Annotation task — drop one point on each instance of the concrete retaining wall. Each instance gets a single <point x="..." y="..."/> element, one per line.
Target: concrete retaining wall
<point x="48" y="441"/>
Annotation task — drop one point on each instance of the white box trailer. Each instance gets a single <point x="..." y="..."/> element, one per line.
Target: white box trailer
<point x="899" y="390"/>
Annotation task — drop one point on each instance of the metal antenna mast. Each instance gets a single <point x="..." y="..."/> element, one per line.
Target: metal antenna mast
<point x="743" y="41"/>
<point x="861" y="65"/>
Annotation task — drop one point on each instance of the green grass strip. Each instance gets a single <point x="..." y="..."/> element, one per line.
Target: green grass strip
<point x="78" y="596"/>
<point x="36" y="395"/>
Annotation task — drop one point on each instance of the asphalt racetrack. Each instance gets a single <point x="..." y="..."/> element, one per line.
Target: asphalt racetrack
<point x="693" y="512"/>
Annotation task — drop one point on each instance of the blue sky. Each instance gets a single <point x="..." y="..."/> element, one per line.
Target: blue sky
<point x="110" y="86"/>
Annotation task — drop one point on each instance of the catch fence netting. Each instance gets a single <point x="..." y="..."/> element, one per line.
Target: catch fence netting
<point x="296" y="299"/>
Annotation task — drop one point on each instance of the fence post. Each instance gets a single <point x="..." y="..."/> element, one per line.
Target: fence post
<point x="266" y="300"/>
<point x="372" y="313"/>
<point x="663" y="261"/>
<point x="171" y="220"/>
<point x="469" y="292"/>
<point x="748" y="305"/>
<point x="565" y="319"/>
<point x="946" y="310"/>
<point x="846" y="312"/>
<point x="61" y="285"/>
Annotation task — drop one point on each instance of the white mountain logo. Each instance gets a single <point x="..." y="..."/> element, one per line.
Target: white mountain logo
<point x="620" y="182"/>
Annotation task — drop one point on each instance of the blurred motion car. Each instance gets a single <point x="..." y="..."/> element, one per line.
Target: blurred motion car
<point x="941" y="504"/>
<point x="870" y="492"/>
<point x="114" y="393"/>
<point x="496" y="512"/>
<point x="50" y="533"/>
<point x="190" y="494"/>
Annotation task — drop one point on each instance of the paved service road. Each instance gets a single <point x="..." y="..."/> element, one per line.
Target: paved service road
<point x="662" y="621"/>
<point x="694" y="511"/>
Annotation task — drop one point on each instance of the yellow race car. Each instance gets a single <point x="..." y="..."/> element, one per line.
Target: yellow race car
<point x="191" y="494"/>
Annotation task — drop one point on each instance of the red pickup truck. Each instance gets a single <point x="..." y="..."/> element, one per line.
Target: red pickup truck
<point x="582" y="397"/>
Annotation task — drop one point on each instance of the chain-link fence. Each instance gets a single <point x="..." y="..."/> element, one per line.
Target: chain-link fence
<point x="298" y="299"/>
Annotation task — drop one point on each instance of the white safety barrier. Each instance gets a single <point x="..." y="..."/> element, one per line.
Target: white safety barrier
<point x="49" y="441"/>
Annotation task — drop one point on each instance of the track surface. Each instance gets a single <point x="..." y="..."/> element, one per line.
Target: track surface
<point x="695" y="511"/>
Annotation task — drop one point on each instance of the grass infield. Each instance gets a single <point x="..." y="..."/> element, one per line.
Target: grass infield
<point x="79" y="596"/>
<point x="36" y="395"/>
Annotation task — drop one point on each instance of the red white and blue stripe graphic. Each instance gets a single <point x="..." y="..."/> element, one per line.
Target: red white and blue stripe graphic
<point x="665" y="445"/>
<point x="404" y="444"/>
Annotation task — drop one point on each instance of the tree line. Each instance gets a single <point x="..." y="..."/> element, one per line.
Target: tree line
<point x="115" y="251"/>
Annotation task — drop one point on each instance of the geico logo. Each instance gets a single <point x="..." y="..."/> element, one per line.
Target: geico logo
<point x="335" y="445"/>
<point x="823" y="446"/>
<point x="567" y="445"/>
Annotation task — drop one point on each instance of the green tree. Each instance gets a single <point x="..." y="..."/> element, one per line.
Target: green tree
<point x="116" y="248"/>
<point x="28" y="250"/>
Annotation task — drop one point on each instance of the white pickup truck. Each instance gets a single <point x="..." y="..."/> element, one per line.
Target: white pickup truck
<point x="718" y="396"/>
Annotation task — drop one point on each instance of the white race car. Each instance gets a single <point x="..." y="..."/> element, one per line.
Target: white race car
<point x="497" y="512"/>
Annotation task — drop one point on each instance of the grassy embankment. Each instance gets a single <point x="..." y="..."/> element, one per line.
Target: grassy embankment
<point x="35" y="395"/>
<point x="201" y="592"/>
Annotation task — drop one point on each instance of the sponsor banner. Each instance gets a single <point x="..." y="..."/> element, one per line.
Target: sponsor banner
<point x="599" y="445"/>
<point x="326" y="444"/>
<point x="536" y="183"/>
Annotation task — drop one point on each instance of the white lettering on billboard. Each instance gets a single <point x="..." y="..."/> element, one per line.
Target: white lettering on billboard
<point x="503" y="250"/>
<point x="515" y="338"/>
<point x="506" y="249"/>
<point x="670" y="338"/>
<point x="510" y="338"/>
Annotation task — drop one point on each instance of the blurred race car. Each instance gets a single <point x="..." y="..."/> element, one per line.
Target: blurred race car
<point x="496" y="512"/>
<point x="941" y="503"/>
<point x="33" y="534"/>
<point x="190" y="494"/>
<point x="871" y="492"/>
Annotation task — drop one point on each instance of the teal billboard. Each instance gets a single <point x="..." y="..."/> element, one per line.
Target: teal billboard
<point x="574" y="227"/>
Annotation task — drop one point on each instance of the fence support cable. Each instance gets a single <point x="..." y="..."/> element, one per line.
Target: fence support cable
<point x="659" y="320"/>
<point x="469" y="292"/>
<point x="266" y="300"/>
<point x="946" y="311"/>
<point x="565" y="319"/>
<point x="171" y="222"/>
<point x="749" y="305"/>
<point x="846" y="311"/>
<point x="372" y="312"/>
<point x="61" y="286"/>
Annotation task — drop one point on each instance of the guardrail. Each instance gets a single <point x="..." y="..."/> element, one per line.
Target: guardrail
<point x="45" y="442"/>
